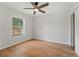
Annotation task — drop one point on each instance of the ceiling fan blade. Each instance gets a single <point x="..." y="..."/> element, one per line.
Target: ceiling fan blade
<point x="28" y="8"/>
<point x="34" y="12"/>
<point x="42" y="11"/>
<point x="33" y="4"/>
<point x="44" y="5"/>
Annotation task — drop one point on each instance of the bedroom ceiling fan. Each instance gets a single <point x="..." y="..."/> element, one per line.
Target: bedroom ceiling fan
<point x="37" y="8"/>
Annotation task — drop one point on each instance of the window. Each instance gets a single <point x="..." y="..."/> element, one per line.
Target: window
<point x="18" y="26"/>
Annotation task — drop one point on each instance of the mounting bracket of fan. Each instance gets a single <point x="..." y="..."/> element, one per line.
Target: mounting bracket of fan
<point x="36" y="3"/>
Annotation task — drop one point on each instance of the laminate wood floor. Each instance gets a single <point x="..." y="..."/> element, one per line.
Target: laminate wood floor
<point x="38" y="48"/>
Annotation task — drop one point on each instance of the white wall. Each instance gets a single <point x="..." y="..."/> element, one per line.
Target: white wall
<point x="53" y="27"/>
<point x="6" y="38"/>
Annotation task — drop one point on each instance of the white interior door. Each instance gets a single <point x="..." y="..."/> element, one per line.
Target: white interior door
<point x="77" y="30"/>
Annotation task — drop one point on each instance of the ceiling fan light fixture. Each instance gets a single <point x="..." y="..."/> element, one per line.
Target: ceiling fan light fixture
<point x="36" y="9"/>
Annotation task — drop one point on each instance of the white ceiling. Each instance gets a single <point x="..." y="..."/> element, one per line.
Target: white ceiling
<point x="54" y="7"/>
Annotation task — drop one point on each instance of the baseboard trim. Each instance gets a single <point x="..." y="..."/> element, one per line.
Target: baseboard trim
<point x="77" y="53"/>
<point x="13" y="44"/>
<point x="53" y="41"/>
<point x="19" y="42"/>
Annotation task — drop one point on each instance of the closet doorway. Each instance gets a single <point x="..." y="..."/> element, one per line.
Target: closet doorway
<point x="73" y="31"/>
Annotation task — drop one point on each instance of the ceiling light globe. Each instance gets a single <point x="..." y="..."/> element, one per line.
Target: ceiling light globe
<point x="36" y="9"/>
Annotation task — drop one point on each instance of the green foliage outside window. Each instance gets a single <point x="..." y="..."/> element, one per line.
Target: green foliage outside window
<point x="17" y="26"/>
